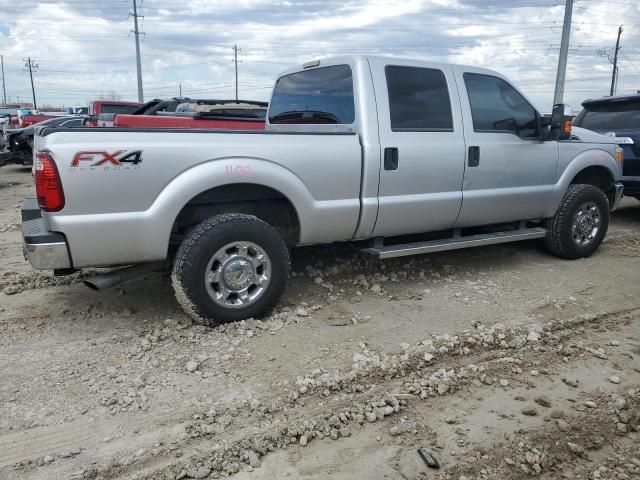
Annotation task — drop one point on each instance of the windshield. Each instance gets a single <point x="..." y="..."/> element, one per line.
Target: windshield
<point x="611" y="117"/>
<point x="318" y="96"/>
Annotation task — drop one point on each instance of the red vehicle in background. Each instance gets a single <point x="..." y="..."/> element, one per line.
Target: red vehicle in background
<point x="24" y="121"/>
<point x="152" y="121"/>
<point x="101" y="112"/>
<point x="187" y="113"/>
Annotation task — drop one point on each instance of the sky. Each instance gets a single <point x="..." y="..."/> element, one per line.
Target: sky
<point x="84" y="49"/>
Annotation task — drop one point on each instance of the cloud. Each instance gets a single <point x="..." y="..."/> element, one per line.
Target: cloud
<point x="84" y="48"/>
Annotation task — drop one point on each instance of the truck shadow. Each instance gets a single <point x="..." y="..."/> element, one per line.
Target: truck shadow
<point x="150" y="298"/>
<point x="628" y="214"/>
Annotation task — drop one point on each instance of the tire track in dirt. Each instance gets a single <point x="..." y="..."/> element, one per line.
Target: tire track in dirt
<point x="26" y="445"/>
<point x="303" y="412"/>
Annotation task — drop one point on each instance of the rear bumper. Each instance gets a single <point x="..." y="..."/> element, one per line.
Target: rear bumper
<point x="45" y="250"/>
<point x="617" y="197"/>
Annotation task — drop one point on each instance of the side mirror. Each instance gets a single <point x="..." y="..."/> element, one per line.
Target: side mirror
<point x="561" y="122"/>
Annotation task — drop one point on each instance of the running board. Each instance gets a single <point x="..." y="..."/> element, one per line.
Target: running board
<point x="453" y="243"/>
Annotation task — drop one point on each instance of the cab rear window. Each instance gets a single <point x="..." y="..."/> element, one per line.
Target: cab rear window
<point x="319" y="96"/>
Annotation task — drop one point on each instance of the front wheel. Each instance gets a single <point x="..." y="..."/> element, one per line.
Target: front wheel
<point x="580" y="223"/>
<point x="230" y="267"/>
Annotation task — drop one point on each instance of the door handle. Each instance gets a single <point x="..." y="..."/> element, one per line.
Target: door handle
<point x="391" y="158"/>
<point x="474" y="156"/>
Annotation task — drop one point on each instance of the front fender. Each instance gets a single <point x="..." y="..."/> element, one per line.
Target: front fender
<point x="594" y="157"/>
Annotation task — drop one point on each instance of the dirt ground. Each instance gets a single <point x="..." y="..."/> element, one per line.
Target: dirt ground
<point x="501" y="362"/>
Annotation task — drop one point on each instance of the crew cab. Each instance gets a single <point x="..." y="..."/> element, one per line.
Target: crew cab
<point x="407" y="157"/>
<point x="619" y="118"/>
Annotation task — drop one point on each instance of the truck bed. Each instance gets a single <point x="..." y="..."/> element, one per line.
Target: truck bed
<point x="125" y="211"/>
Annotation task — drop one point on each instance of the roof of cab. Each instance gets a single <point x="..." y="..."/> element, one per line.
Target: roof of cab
<point x="352" y="59"/>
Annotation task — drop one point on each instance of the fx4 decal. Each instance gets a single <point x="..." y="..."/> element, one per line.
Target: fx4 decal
<point x="115" y="159"/>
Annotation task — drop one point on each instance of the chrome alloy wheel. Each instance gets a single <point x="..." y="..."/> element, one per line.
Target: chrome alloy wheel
<point x="586" y="224"/>
<point x="238" y="274"/>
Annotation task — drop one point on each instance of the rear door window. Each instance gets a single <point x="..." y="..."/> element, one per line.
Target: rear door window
<point x="319" y="96"/>
<point x="418" y="99"/>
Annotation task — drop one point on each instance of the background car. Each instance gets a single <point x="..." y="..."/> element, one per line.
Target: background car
<point x="618" y="117"/>
<point x="190" y="113"/>
<point x="21" y="139"/>
<point x="104" y="110"/>
<point x="5" y="154"/>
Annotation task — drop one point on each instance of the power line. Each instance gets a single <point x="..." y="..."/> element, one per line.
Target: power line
<point x="630" y="62"/>
<point x="614" y="74"/>
<point x="32" y="66"/>
<point x="235" y="61"/>
<point x="278" y="8"/>
<point x="4" y="86"/>
<point x="136" y="32"/>
<point x="564" y="52"/>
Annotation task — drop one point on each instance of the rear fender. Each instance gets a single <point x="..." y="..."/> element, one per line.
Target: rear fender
<point x="134" y="237"/>
<point x="228" y="171"/>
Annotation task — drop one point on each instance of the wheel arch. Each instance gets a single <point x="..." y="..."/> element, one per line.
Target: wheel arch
<point x="592" y="167"/>
<point x="262" y="201"/>
<point x="217" y="182"/>
<point x="596" y="175"/>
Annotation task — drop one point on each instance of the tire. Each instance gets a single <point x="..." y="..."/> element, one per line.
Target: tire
<point x="566" y="235"/>
<point x="229" y="268"/>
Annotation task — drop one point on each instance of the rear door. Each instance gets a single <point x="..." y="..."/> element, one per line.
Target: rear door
<point x="422" y="145"/>
<point x="509" y="173"/>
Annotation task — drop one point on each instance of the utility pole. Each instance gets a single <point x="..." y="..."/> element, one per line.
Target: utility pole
<point x="4" y="87"/>
<point x="564" y="51"/>
<point x="180" y="91"/>
<point x="235" y="60"/>
<point x="614" y="74"/>
<point x="137" y="34"/>
<point x="32" y="66"/>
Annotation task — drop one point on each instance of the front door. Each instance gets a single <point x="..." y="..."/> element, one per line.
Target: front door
<point x="422" y="147"/>
<point x="509" y="173"/>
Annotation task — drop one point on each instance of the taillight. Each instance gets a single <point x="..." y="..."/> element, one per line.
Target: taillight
<point x="48" y="185"/>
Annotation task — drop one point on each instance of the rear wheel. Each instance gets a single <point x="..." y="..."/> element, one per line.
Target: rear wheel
<point x="230" y="267"/>
<point x="580" y="223"/>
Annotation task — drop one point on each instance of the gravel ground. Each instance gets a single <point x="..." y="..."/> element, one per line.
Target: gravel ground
<point x="500" y="362"/>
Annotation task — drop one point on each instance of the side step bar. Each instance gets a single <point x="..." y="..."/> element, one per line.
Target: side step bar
<point x="453" y="243"/>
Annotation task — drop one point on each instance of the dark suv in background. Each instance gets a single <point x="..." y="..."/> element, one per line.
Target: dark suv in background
<point x="618" y="117"/>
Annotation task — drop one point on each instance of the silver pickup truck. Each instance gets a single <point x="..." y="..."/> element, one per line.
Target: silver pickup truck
<point x="407" y="156"/>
